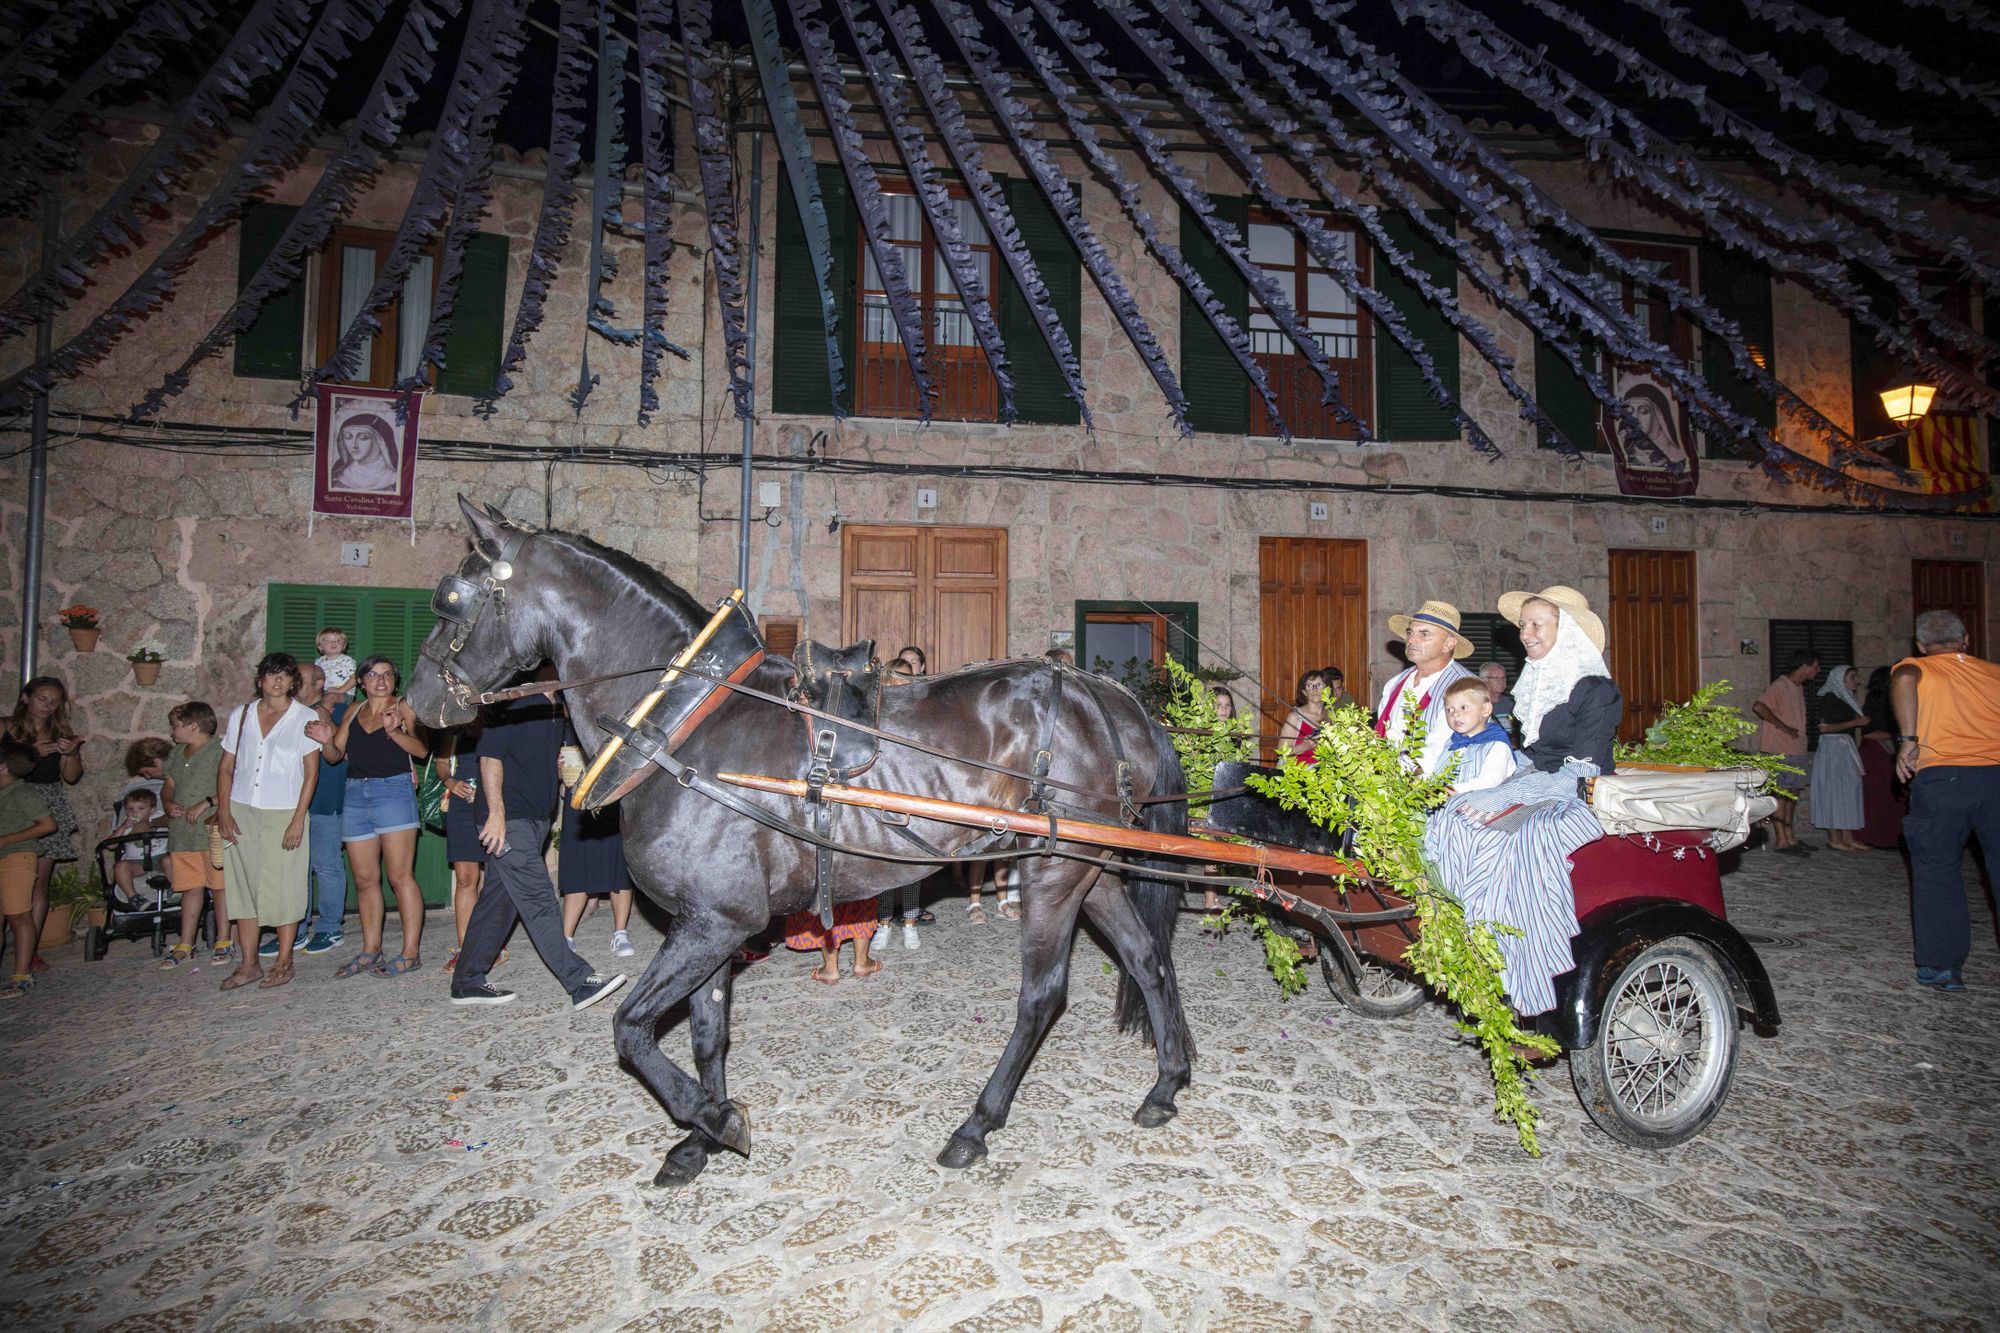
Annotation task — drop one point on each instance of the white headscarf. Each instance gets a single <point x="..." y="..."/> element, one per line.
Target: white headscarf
<point x="1548" y="681"/>
<point x="1836" y="685"/>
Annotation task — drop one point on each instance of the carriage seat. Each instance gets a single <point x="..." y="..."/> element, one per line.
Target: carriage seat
<point x="846" y="682"/>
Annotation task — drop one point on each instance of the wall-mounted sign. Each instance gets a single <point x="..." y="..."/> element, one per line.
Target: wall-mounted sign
<point x="365" y="452"/>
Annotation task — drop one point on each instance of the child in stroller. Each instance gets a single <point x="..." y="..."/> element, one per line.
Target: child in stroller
<point x="142" y="838"/>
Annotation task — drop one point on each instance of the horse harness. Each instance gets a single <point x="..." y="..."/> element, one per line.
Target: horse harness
<point x="460" y="602"/>
<point x="841" y="685"/>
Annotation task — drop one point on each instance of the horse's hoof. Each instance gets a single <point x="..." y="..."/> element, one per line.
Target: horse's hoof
<point x="730" y="1128"/>
<point x="961" y="1152"/>
<point x="1151" y="1115"/>
<point x="685" y="1161"/>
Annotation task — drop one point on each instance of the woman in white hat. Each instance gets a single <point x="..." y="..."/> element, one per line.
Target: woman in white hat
<point x="1566" y="703"/>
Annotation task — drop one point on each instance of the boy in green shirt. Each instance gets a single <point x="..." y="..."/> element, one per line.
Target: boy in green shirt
<point x="24" y="821"/>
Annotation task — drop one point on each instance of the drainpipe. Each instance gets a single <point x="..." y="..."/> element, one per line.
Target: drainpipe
<point x="750" y="319"/>
<point x="38" y="460"/>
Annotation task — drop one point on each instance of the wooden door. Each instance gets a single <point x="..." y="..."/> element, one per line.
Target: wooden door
<point x="1655" y="631"/>
<point x="942" y="589"/>
<point x="1312" y="611"/>
<point x="1958" y="586"/>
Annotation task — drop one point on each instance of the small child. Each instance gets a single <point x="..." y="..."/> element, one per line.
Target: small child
<point x="24" y="821"/>
<point x="1485" y="758"/>
<point x="189" y="797"/>
<point x="142" y="815"/>
<point x="334" y="661"/>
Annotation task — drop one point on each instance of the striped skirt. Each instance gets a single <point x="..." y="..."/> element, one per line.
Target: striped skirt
<point x="1518" y="878"/>
<point x="1836" y="785"/>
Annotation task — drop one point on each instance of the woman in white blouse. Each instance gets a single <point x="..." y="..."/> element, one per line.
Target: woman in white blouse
<point x="269" y="769"/>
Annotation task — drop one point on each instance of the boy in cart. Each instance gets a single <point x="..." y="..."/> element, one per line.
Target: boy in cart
<point x="1485" y="756"/>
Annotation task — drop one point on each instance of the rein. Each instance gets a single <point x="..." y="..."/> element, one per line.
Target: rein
<point x="550" y="688"/>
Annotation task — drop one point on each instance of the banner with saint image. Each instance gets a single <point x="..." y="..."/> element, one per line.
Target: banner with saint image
<point x="365" y="451"/>
<point x="1659" y="459"/>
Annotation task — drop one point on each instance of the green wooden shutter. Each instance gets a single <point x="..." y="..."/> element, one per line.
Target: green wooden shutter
<point x="1404" y="407"/>
<point x="472" y="349"/>
<point x="1740" y="289"/>
<point x="1218" y="392"/>
<point x="390" y="621"/>
<point x="799" y="379"/>
<point x="1039" y="392"/>
<point x="1874" y="368"/>
<point x="1560" y="390"/>
<point x="269" y="348"/>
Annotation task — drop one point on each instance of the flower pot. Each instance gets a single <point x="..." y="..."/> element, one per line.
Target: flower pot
<point x="85" y="640"/>
<point x="145" y="672"/>
<point x="55" y="930"/>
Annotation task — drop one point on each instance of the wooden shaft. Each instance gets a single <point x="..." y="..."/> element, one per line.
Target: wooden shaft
<point x="613" y="744"/>
<point x="1067" y="830"/>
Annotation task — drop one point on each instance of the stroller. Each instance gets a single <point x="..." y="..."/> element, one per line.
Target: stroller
<point x="155" y="909"/>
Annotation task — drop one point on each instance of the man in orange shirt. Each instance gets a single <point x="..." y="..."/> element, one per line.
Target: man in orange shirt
<point x="1948" y="713"/>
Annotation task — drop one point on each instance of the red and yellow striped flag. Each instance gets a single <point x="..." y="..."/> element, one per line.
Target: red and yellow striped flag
<point x="1944" y="449"/>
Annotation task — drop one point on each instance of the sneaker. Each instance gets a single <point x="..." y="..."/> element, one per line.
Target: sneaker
<point x="880" y="939"/>
<point x="321" y="943"/>
<point x="18" y="987"/>
<point x="621" y="944"/>
<point x="1940" y="978"/>
<point x="175" y="956"/>
<point x="595" y="988"/>
<point x="269" y="948"/>
<point x="483" y="994"/>
<point x="910" y="940"/>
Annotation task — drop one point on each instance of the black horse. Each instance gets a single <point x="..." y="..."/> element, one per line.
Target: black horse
<point x="588" y="610"/>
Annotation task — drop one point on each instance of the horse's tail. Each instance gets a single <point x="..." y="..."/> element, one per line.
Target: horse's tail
<point x="1157" y="901"/>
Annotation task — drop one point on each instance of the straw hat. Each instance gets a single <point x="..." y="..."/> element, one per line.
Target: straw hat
<point x="1569" y="599"/>
<point x="1442" y="614"/>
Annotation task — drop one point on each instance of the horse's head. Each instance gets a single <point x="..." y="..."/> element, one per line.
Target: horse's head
<point x="481" y="638"/>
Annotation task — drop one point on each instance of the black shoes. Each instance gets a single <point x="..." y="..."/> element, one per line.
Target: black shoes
<point x="483" y="994"/>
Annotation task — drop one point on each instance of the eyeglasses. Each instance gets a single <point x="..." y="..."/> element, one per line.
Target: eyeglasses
<point x="380" y="673"/>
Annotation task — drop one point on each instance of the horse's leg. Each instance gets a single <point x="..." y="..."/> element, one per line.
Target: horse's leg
<point x="1111" y="909"/>
<point x="1048" y="925"/>
<point x="708" y="1025"/>
<point x="690" y="957"/>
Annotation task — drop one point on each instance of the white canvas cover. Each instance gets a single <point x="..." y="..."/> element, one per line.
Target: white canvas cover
<point x="1724" y="802"/>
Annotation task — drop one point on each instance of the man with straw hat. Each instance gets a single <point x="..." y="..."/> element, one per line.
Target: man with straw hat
<point x="1433" y="645"/>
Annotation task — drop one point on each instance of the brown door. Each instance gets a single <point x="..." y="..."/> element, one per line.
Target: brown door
<point x="1958" y="586"/>
<point x="1312" y="611"/>
<point x="942" y="589"/>
<point x="1654" y="632"/>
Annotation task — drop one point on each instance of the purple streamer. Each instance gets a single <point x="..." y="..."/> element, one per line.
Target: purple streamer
<point x="656" y="146"/>
<point x="373" y="132"/>
<point x="927" y="74"/>
<point x="269" y="35"/>
<point x="607" y="202"/>
<point x="290" y="116"/>
<point x="711" y="139"/>
<point x="883" y="80"/>
<point x="1019" y="128"/>
<point x="823" y="66"/>
<point x="1909" y="72"/>
<point x="1050" y="72"/>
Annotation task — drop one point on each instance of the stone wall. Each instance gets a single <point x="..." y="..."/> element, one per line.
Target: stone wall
<point x="180" y="546"/>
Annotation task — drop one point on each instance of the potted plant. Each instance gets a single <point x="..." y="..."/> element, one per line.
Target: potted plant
<point x="81" y="622"/>
<point x="145" y="660"/>
<point x="69" y="894"/>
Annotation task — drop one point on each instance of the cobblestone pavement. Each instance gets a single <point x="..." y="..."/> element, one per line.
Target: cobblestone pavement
<point x="357" y="1154"/>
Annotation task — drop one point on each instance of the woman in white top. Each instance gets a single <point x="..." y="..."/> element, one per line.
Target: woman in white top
<point x="269" y="770"/>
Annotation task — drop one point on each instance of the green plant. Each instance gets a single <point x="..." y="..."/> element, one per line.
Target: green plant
<point x="147" y="652"/>
<point x="1361" y="783"/>
<point x="78" y="616"/>
<point x="69" y="888"/>
<point x="1702" y="733"/>
<point x="1154" y="684"/>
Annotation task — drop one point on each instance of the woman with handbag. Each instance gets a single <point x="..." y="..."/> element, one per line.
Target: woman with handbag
<point x="378" y="739"/>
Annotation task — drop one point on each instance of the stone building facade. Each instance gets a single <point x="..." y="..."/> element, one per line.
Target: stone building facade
<point x="179" y="544"/>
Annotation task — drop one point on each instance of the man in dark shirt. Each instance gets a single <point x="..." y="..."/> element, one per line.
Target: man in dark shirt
<point x="517" y="772"/>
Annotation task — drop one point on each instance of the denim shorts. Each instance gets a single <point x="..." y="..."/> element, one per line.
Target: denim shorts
<point x="376" y="806"/>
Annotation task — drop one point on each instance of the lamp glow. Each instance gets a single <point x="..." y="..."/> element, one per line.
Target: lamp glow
<point x="1908" y="404"/>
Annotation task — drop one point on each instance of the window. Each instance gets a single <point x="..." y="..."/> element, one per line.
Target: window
<point x="1330" y="314"/>
<point x="1494" y="638"/>
<point x="1831" y="641"/>
<point x="1876" y="368"/>
<point x="884" y="384"/>
<point x="347" y="269"/>
<point x="1649" y="310"/>
<point x="1130" y="641"/>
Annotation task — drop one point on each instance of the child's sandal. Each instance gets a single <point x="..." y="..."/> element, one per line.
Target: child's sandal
<point x="975" y="914"/>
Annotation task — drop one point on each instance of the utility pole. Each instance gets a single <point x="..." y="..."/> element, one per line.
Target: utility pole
<point x="38" y="458"/>
<point x="750" y="319"/>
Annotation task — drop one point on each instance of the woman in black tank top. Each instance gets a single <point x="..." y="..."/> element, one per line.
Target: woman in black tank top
<point x="378" y="739"/>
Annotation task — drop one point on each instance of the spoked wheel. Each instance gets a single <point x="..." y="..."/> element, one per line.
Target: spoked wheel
<point x="1377" y="991"/>
<point x="1665" y="1051"/>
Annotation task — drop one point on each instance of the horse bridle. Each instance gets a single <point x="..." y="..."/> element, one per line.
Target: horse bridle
<point x="460" y="602"/>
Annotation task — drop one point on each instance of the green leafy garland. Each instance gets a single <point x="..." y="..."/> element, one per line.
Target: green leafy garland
<point x="1702" y="733"/>
<point x="1360" y="782"/>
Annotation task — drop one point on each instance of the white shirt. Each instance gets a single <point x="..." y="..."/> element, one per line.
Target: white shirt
<point x="1405" y="688"/>
<point x="270" y="770"/>
<point x="1487" y="764"/>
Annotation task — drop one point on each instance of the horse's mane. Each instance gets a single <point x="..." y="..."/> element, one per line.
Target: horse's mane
<point x="645" y="580"/>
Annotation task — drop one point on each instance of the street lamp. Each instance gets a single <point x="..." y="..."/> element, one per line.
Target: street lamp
<point x="1907" y="405"/>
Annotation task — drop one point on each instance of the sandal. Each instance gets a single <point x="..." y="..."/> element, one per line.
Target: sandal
<point x="1012" y="911"/>
<point x="223" y="953"/>
<point x="397" y="966"/>
<point x="365" y="961"/>
<point x="237" y="979"/>
<point x="277" y="976"/>
<point x="177" y="955"/>
<point x="451" y="960"/>
<point x="975" y="914"/>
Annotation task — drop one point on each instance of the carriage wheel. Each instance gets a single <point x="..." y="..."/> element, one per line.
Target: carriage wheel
<point x="1379" y="991"/>
<point x="1665" y="1050"/>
